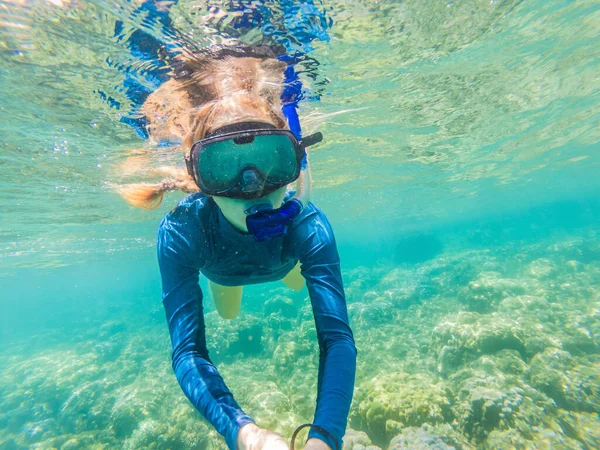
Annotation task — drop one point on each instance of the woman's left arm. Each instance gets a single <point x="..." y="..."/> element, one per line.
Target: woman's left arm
<point x="337" y="362"/>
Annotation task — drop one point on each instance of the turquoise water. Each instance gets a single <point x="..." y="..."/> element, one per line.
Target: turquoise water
<point x="460" y="179"/>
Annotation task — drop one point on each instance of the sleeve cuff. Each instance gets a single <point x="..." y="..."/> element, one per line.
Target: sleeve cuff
<point x="313" y="433"/>
<point x="232" y="439"/>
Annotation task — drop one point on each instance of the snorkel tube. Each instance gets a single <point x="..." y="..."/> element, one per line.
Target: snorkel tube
<point x="290" y="96"/>
<point x="270" y="223"/>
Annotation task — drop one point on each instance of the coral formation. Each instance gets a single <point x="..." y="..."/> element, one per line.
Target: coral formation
<point x="475" y="349"/>
<point x="358" y="440"/>
<point x="392" y="401"/>
<point x="429" y="437"/>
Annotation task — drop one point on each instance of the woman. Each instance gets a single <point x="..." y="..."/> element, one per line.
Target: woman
<point x="243" y="227"/>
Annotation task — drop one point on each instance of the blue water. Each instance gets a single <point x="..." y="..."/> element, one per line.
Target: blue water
<point x="459" y="172"/>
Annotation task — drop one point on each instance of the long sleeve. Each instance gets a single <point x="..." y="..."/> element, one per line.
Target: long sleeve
<point x="182" y="300"/>
<point x="337" y="363"/>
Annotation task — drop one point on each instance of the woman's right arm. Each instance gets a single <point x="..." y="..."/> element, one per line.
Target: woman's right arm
<point x="182" y="300"/>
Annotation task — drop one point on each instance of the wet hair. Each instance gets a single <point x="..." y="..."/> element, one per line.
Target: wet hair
<point x="207" y="90"/>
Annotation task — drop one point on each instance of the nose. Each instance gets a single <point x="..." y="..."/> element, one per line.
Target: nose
<point x="251" y="181"/>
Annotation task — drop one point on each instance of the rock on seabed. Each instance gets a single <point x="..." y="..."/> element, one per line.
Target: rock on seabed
<point x="479" y="349"/>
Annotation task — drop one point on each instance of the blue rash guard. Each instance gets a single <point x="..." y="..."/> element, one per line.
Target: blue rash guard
<point x="195" y="237"/>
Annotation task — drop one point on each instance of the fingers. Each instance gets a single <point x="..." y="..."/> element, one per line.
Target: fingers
<point x="252" y="437"/>
<point x="261" y="439"/>
<point x="274" y="442"/>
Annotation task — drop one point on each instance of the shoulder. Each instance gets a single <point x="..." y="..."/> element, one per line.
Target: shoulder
<point x="310" y="222"/>
<point x="313" y="220"/>
<point x="188" y="212"/>
<point x="182" y="228"/>
<point x="312" y="233"/>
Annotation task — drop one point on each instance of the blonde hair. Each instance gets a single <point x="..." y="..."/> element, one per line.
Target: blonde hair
<point x="206" y="92"/>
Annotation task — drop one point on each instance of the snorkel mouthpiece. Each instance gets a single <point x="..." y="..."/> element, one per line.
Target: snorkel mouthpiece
<point x="267" y="206"/>
<point x="266" y="224"/>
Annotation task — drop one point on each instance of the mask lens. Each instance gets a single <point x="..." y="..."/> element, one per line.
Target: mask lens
<point x="221" y="163"/>
<point x="274" y="155"/>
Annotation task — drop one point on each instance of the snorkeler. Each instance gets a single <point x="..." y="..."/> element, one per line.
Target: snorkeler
<point x="241" y="225"/>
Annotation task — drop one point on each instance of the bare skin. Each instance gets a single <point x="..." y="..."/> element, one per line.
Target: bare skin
<point x="252" y="437"/>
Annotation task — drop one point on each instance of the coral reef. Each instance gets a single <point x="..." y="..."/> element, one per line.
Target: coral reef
<point x="468" y="349"/>
<point x="467" y="335"/>
<point x="429" y="437"/>
<point x="358" y="440"/>
<point x="393" y="401"/>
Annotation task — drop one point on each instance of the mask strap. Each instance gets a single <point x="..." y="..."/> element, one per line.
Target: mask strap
<point x="291" y="95"/>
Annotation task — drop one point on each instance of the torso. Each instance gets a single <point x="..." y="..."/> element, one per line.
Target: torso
<point x="229" y="257"/>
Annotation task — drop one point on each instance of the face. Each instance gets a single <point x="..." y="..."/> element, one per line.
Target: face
<point x="236" y="211"/>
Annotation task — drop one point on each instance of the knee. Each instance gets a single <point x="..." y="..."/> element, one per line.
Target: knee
<point x="227" y="300"/>
<point x="228" y="314"/>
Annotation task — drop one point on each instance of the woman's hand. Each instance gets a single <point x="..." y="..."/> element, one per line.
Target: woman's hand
<point x="252" y="437"/>
<point x="316" y="444"/>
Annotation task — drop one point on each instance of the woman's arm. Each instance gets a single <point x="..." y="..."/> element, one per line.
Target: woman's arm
<point x="182" y="300"/>
<point x="337" y="363"/>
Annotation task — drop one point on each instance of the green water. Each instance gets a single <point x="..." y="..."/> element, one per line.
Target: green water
<point x="463" y="189"/>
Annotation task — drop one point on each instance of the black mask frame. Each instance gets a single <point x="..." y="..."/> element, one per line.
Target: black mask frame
<point x="241" y="133"/>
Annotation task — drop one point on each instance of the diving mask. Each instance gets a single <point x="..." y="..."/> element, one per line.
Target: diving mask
<point x="247" y="160"/>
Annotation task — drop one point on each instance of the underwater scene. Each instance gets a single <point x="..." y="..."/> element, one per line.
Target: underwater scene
<point x="458" y="170"/>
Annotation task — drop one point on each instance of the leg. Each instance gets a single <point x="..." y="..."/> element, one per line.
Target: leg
<point x="228" y="299"/>
<point x="294" y="279"/>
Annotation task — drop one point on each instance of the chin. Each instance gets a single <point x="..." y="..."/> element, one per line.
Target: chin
<point x="274" y="198"/>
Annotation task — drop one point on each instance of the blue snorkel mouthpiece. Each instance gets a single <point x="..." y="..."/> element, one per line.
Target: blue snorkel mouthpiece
<point x="267" y="224"/>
